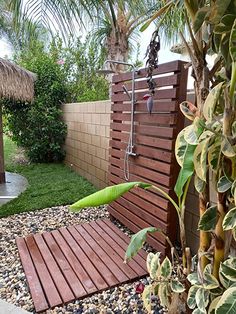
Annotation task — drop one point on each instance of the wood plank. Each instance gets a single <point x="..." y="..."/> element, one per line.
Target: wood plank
<point x="144" y="140"/>
<point x="160" y="82"/>
<point x="169" y="93"/>
<point x="157" y="131"/>
<point x="98" y="280"/>
<point x="104" y="256"/>
<point x="111" y="251"/>
<point x="59" y="280"/>
<point x="159" y="106"/>
<point x="65" y="267"/>
<point x="138" y="262"/>
<point x="94" y="258"/>
<point x="36" y="291"/>
<point x="144" y="151"/>
<point x="145" y="200"/>
<point x="74" y="263"/>
<point x="122" y="236"/>
<point x="145" y="173"/>
<point x="120" y="208"/>
<point x="48" y="285"/>
<point x="120" y="172"/>
<point x="156" y="118"/>
<point x="144" y="161"/>
<point x="173" y="66"/>
<point x="153" y="242"/>
<point x="136" y="209"/>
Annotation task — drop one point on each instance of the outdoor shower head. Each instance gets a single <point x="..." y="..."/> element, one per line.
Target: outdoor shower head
<point x="105" y="71"/>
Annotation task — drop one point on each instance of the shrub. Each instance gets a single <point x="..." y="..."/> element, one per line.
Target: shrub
<point x="38" y="127"/>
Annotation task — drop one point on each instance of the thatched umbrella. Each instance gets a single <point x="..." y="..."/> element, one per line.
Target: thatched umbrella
<point x="16" y="83"/>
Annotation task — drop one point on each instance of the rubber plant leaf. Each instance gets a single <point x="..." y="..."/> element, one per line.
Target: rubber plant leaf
<point x="137" y="241"/>
<point x="208" y="220"/>
<point x="229" y="221"/>
<point x="227" y="303"/>
<point x="107" y="195"/>
<point x="189" y="110"/>
<point x="211" y="101"/>
<point x="224" y="184"/>
<point x="200" y="18"/>
<point x="218" y="9"/>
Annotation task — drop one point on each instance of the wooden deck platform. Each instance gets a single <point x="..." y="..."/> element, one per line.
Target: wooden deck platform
<point x="77" y="261"/>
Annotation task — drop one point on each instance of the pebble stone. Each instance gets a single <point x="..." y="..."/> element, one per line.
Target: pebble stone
<point x="13" y="286"/>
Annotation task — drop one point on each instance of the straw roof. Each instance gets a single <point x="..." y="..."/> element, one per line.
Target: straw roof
<point x="15" y="82"/>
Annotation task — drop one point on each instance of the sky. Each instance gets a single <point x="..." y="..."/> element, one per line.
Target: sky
<point x="164" y="55"/>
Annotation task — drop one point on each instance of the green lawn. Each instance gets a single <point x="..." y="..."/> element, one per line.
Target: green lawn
<point x="49" y="184"/>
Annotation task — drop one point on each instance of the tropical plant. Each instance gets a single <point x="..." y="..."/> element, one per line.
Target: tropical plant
<point x="112" y="23"/>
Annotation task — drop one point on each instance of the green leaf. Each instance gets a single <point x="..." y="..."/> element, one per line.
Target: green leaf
<point x="214" y="155"/>
<point x="227" y="148"/>
<point x="225" y="25"/>
<point x="209" y="219"/>
<point x="156" y="15"/>
<point x="211" y="101"/>
<point x="177" y="286"/>
<point x="227" y="303"/>
<point x="163" y="294"/>
<point x="232" y="42"/>
<point x="193" y="278"/>
<point x="148" y="260"/>
<point x="146" y="297"/>
<point x="189" y="110"/>
<point x="234" y="129"/>
<point x="198" y="311"/>
<point x="191" y="300"/>
<point x="184" y="155"/>
<point x="166" y="268"/>
<point x="202" y="298"/>
<point x="137" y="241"/>
<point x="190" y="136"/>
<point x="229" y="272"/>
<point x="107" y="195"/>
<point x="224" y="184"/>
<point x="213" y="305"/>
<point x="229" y="221"/>
<point x="155" y="264"/>
<point x="199" y="184"/>
<point x="200" y="159"/>
<point x="200" y="18"/>
<point x="218" y="9"/>
<point x="210" y="282"/>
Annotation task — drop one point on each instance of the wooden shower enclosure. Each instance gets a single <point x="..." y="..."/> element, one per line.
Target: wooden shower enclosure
<point x="154" y="138"/>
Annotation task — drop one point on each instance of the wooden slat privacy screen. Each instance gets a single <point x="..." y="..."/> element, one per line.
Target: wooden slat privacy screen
<point x="154" y="140"/>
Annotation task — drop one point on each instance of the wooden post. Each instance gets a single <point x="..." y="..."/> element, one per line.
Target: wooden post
<point x="2" y="171"/>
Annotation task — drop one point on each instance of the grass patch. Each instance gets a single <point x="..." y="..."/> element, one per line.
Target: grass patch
<point x="49" y="184"/>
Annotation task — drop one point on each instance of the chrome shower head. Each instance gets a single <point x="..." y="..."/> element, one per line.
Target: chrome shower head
<point x="105" y="71"/>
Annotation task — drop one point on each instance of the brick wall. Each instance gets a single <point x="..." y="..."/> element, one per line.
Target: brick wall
<point x="87" y="141"/>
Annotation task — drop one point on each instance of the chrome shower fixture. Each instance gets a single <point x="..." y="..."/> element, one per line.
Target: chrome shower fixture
<point x="130" y="147"/>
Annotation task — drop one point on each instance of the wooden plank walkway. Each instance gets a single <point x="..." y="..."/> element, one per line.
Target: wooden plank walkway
<point x="77" y="261"/>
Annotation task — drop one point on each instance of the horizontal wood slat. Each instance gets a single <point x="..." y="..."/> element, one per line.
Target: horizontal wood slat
<point x="165" y="132"/>
<point x="74" y="262"/>
<point x="173" y="66"/>
<point x="160" y="82"/>
<point x="141" y="106"/>
<point x="154" y="142"/>
<point x="162" y="118"/>
<point x="160" y="94"/>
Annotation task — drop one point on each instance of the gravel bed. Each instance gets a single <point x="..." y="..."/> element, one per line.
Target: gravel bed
<point x="13" y="285"/>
